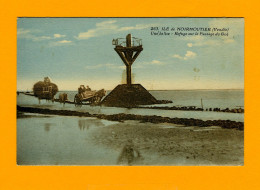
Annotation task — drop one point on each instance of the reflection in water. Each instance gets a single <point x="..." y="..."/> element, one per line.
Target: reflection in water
<point x="87" y="123"/>
<point x="130" y="155"/>
<point x="47" y="127"/>
<point x="83" y="124"/>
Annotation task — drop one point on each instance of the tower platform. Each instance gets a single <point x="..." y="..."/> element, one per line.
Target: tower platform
<point x="129" y="96"/>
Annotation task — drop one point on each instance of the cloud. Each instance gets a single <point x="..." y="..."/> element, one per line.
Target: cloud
<point x="177" y="56"/>
<point x="102" y="28"/>
<point x="201" y="41"/>
<point x="58" y="35"/>
<point x="21" y="32"/>
<point x="122" y="66"/>
<point x="105" y="23"/>
<point x="196" y="41"/>
<point x="64" y="41"/>
<point x="136" y="27"/>
<point x="105" y="65"/>
<point x="109" y="64"/>
<point x="227" y="41"/>
<point x="189" y="44"/>
<point x="25" y="33"/>
<point x="40" y="38"/>
<point x="61" y="43"/>
<point x="208" y="43"/>
<point x="112" y="66"/>
<point x="188" y="55"/>
<point x="109" y="27"/>
<point x="153" y="62"/>
<point x="30" y="34"/>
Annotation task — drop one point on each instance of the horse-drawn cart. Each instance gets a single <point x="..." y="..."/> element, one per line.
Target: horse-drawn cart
<point x="45" y="89"/>
<point x="88" y="96"/>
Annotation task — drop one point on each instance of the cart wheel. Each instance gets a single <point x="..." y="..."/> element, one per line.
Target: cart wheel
<point x="98" y="99"/>
<point x="77" y="101"/>
<point x="92" y="100"/>
<point x="95" y="100"/>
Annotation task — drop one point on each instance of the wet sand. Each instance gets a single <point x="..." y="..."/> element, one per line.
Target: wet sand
<point x="165" y="144"/>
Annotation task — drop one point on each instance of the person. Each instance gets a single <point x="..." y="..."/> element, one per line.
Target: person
<point x="81" y="89"/>
<point x="128" y="153"/>
<point x="88" y="89"/>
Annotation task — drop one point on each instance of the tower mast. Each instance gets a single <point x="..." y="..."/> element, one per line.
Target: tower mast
<point x="128" y="53"/>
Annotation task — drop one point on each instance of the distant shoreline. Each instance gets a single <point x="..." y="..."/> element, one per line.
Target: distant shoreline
<point x="158" y="90"/>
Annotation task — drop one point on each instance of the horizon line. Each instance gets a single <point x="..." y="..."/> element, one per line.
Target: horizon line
<point x="165" y="89"/>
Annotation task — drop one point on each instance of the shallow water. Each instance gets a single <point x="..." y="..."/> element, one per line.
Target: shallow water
<point x="210" y="98"/>
<point x="61" y="141"/>
<point x="227" y="98"/>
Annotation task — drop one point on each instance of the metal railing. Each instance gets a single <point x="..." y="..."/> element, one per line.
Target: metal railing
<point x="122" y="42"/>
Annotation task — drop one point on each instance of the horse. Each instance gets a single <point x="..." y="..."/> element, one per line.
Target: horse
<point x="46" y="96"/>
<point x="98" y="96"/>
<point x="93" y="97"/>
<point x="63" y="97"/>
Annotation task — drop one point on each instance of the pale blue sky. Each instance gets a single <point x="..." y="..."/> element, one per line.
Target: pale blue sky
<point x="74" y="51"/>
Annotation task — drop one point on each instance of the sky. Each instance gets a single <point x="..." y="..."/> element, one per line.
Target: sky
<point x="75" y="51"/>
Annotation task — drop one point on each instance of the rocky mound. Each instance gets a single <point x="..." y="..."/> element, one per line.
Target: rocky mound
<point x="129" y="96"/>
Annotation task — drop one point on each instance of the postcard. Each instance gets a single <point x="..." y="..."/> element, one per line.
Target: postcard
<point x="130" y="91"/>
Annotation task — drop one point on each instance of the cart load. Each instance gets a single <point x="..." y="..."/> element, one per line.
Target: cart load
<point x="45" y="89"/>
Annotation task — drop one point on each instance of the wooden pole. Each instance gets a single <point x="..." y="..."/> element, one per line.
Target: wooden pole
<point x="128" y="75"/>
<point x="128" y="40"/>
<point x="128" y="67"/>
<point x="128" y="54"/>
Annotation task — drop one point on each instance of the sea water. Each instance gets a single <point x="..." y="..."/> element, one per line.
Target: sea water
<point x="60" y="140"/>
<point x="208" y="98"/>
